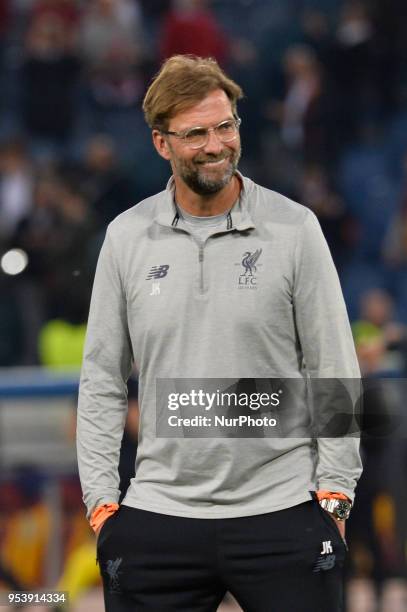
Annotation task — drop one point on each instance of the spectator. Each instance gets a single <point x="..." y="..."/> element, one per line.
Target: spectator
<point x="66" y="10"/>
<point x="370" y="347"/>
<point x="316" y="33"/>
<point x="380" y="339"/>
<point x="395" y="242"/>
<point x="377" y="308"/>
<point x="68" y="275"/>
<point x="395" y="248"/>
<point x="190" y="27"/>
<point x="307" y="120"/>
<point x="107" y="188"/>
<point x="16" y="186"/>
<point x="60" y="344"/>
<point x="55" y="236"/>
<point x="316" y="191"/>
<point x="356" y="66"/>
<point x="37" y="233"/>
<point x="50" y="73"/>
<point x="108" y="25"/>
<point x="61" y="339"/>
<point x="112" y="46"/>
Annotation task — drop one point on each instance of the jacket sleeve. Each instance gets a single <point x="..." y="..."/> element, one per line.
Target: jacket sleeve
<point x="327" y="348"/>
<point x="106" y="367"/>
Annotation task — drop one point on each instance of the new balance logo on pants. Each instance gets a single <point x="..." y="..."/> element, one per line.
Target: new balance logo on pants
<point x="326" y="559"/>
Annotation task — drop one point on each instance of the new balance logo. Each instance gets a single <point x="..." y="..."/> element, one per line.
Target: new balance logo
<point x="324" y="563"/>
<point x="158" y="272"/>
<point x="326" y="548"/>
<point x="326" y="559"/>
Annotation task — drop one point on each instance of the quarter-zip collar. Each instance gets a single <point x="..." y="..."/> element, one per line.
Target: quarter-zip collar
<point x="238" y="218"/>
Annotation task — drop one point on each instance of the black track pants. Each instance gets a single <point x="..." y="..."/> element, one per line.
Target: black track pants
<point x="285" y="561"/>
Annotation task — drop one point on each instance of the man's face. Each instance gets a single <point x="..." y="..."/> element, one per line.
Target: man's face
<point x="210" y="168"/>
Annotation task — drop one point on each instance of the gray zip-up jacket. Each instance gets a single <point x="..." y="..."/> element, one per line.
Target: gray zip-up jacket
<point x="174" y="308"/>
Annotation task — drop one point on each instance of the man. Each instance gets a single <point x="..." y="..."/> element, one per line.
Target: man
<point x="215" y="278"/>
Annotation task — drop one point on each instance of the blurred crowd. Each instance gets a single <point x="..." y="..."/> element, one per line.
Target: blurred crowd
<point x="324" y="121"/>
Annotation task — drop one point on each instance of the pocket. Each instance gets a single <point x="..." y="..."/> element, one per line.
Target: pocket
<point x="105" y="530"/>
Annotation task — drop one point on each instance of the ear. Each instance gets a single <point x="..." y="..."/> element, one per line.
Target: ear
<point x="161" y="145"/>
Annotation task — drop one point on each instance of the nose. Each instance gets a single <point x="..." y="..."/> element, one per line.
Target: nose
<point x="214" y="145"/>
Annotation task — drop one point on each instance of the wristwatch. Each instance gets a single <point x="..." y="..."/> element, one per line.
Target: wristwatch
<point x="339" y="508"/>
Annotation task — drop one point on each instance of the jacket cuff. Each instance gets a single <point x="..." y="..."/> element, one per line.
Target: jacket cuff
<point x="100" y="514"/>
<point x="322" y="494"/>
<point x="333" y="486"/>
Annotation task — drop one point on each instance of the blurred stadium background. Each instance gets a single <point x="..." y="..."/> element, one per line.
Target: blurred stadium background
<point x="324" y="122"/>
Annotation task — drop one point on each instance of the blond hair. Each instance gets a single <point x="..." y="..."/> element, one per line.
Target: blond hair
<point x="182" y="82"/>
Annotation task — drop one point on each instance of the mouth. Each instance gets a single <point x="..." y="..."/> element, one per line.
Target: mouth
<point x="213" y="163"/>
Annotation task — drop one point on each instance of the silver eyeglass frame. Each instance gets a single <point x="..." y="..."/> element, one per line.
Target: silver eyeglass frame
<point x="182" y="135"/>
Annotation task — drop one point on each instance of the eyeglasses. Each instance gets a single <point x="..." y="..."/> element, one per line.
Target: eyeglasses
<point x="197" y="137"/>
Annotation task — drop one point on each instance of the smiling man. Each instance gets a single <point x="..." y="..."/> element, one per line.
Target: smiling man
<point x="217" y="279"/>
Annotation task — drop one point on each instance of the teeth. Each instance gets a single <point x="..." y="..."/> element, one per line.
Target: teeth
<point x="219" y="161"/>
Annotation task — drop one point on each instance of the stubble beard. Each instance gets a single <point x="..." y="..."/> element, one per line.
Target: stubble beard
<point x="200" y="181"/>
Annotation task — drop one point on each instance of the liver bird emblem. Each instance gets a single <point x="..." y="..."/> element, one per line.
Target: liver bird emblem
<point x="112" y="568"/>
<point x="249" y="262"/>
